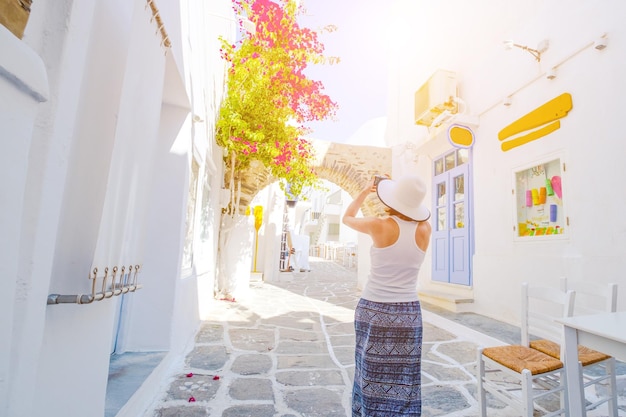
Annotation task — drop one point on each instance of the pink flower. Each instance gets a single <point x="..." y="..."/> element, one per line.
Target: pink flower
<point x="189" y="375"/>
<point x="192" y="400"/>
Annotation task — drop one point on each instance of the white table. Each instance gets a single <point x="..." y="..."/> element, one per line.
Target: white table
<point x="605" y="332"/>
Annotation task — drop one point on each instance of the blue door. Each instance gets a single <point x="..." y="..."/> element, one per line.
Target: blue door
<point x="451" y="228"/>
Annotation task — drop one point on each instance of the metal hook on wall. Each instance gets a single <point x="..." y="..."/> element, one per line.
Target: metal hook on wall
<point x="127" y="282"/>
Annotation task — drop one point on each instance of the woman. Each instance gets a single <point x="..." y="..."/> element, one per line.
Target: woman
<point x="388" y="319"/>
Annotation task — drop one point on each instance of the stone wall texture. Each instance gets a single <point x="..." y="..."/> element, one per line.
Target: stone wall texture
<point x="348" y="166"/>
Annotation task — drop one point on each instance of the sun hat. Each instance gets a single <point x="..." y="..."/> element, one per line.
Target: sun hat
<point x="405" y="195"/>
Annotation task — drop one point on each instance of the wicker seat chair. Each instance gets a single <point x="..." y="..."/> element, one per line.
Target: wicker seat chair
<point x="591" y="298"/>
<point x="519" y="375"/>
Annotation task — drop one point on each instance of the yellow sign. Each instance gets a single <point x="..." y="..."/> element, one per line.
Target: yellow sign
<point x="461" y="136"/>
<point x="539" y="122"/>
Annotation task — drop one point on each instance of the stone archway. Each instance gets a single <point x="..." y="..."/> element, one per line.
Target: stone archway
<point x="348" y="166"/>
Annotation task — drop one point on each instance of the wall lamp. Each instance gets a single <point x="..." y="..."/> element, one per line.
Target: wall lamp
<point x="543" y="46"/>
<point x="600" y="43"/>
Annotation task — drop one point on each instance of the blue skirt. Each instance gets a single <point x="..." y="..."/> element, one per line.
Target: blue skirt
<point x="387" y="366"/>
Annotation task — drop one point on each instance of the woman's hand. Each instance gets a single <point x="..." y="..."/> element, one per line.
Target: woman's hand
<point x="377" y="179"/>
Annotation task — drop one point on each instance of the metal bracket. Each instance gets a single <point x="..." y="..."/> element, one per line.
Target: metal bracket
<point x="112" y="285"/>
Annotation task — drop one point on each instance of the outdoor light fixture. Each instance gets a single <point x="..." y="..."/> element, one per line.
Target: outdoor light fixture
<point x="600" y="43"/>
<point x="507" y="101"/>
<point x="543" y="46"/>
<point x="551" y="74"/>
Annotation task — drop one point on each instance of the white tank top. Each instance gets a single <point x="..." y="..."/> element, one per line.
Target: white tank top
<point x="394" y="270"/>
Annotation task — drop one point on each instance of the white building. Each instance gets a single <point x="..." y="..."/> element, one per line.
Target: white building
<point x="571" y="54"/>
<point x="107" y="112"/>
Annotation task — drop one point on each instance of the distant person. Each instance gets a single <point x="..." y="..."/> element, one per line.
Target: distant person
<point x="301" y="246"/>
<point x="297" y="253"/>
<point x="388" y="317"/>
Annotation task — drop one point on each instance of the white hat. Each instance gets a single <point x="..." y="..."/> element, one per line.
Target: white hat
<point x="405" y="195"/>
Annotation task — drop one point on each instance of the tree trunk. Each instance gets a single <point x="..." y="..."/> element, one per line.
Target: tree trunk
<point x="234" y="256"/>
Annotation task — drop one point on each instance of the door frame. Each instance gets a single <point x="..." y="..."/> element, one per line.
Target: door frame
<point x="443" y="242"/>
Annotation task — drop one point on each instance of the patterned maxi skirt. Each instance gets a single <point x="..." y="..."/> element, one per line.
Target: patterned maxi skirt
<point x="387" y="374"/>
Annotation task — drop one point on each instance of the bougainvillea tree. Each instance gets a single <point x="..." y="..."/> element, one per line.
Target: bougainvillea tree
<point x="269" y="98"/>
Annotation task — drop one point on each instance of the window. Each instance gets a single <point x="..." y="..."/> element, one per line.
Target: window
<point x="190" y="219"/>
<point x="539" y="204"/>
<point x="451" y="160"/>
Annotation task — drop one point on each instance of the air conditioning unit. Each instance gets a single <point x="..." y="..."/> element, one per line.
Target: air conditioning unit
<point x="437" y="95"/>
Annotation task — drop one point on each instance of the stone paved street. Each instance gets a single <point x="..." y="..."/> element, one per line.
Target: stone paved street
<point x="286" y="349"/>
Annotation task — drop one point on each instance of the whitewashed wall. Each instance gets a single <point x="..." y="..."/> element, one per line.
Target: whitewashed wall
<point x="467" y="37"/>
<point x="99" y="176"/>
<point x="23" y="86"/>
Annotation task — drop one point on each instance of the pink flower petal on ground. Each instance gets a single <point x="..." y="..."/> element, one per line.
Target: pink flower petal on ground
<point x="215" y="378"/>
<point x="189" y="375"/>
<point x="192" y="400"/>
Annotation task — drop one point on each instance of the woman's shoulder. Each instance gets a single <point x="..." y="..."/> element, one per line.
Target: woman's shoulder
<point x="423" y="227"/>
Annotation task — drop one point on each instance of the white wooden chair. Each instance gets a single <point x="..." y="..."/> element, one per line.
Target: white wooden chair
<point x="518" y="375"/>
<point x="591" y="298"/>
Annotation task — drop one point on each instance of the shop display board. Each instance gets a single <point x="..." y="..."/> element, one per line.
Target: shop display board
<point x="539" y="204"/>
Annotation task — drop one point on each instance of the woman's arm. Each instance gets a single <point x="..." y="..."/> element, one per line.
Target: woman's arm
<point x="360" y="224"/>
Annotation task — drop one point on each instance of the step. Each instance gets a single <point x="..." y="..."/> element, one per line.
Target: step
<point x="451" y="302"/>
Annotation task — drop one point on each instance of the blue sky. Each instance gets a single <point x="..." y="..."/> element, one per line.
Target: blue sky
<point x="358" y="84"/>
